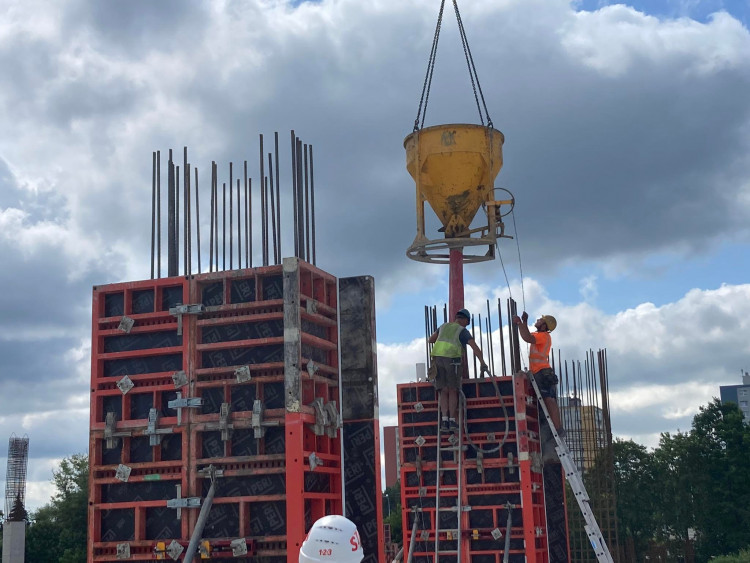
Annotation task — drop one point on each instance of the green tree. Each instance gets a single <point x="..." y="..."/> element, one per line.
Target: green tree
<point x="720" y="475"/>
<point x="392" y="511"/>
<point x="636" y="493"/>
<point x="57" y="533"/>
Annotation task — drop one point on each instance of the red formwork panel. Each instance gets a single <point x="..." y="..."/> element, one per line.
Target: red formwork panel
<point x="227" y="364"/>
<point x="501" y="473"/>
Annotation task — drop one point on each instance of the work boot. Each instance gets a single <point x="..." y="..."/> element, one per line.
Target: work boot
<point x="445" y="425"/>
<point x="453" y="426"/>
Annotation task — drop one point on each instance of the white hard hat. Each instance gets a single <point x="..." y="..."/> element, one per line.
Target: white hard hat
<point x="333" y="539"/>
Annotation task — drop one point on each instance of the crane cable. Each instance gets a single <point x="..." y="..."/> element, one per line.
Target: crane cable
<point x="473" y="76"/>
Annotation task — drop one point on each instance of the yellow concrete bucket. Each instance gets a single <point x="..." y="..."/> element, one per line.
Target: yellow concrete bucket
<point x="454" y="167"/>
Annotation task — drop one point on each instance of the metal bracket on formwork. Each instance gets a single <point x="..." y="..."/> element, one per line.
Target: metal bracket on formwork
<point x="258" y="424"/>
<point x="223" y="425"/>
<point x="183" y="502"/>
<point x="422" y="492"/>
<point x="419" y="407"/>
<point x="321" y="417"/>
<point x="239" y="547"/>
<point x="204" y="549"/>
<point x="480" y="462"/>
<point x="125" y="385"/>
<point x="154" y="434"/>
<point x="419" y="441"/>
<point x="537" y="466"/>
<point x="180" y="310"/>
<point x="210" y="472"/>
<point x="424" y="535"/>
<point x="174" y="550"/>
<point x="242" y="374"/>
<point x="123" y="473"/>
<point x="126" y="325"/>
<point x="538" y="531"/>
<point x="315" y="461"/>
<point x="334" y="418"/>
<point x="311" y="306"/>
<point x="184" y="403"/>
<point x="496" y="534"/>
<point x="110" y="435"/>
<point x="179" y="378"/>
<point x="311" y="368"/>
<point x="123" y="551"/>
<point x="511" y="465"/>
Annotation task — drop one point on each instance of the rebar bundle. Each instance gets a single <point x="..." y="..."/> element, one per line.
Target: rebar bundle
<point x="232" y="221"/>
<point x="15" y="477"/>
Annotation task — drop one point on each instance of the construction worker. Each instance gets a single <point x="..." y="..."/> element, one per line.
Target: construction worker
<point x="544" y="375"/>
<point x="332" y="538"/>
<point x="450" y="341"/>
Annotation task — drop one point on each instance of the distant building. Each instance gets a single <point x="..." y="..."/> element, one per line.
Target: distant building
<point x="584" y="425"/>
<point x="391" y="453"/>
<point x="738" y="394"/>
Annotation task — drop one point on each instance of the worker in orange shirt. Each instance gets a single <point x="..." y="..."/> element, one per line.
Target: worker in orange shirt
<point x="544" y="375"/>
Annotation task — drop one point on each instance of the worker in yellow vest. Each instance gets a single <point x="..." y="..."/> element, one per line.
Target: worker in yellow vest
<point x="449" y="345"/>
<point x="544" y="375"/>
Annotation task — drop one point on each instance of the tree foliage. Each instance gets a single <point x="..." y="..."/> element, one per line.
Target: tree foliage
<point x="693" y="485"/>
<point x="392" y="511"/>
<point x="57" y="533"/>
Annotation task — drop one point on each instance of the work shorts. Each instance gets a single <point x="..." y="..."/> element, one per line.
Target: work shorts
<point x="447" y="372"/>
<point x="547" y="380"/>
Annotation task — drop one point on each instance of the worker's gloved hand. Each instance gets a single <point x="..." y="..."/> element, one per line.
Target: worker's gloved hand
<point x="525" y="316"/>
<point x="485" y="369"/>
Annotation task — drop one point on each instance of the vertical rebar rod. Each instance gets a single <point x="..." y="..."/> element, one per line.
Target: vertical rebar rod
<point x="158" y="214"/>
<point x="250" y="213"/>
<point x="427" y="333"/>
<point x="216" y="219"/>
<point x="188" y="221"/>
<point x="185" y="214"/>
<point x="231" y="220"/>
<point x="491" y="347"/>
<point x="278" y="195"/>
<point x="500" y="333"/>
<point x="300" y="200"/>
<point x="473" y="336"/>
<point x="211" y="236"/>
<point x="263" y="217"/>
<point x="294" y="193"/>
<point x="153" y="213"/>
<point x="247" y="219"/>
<point x="198" y="220"/>
<point x="177" y="216"/>
<point x="239" y="227"/>
<point x="312" y="207"/>
<point x="170" y="216"/>
<point x="224" y="227"/>
<point x="307" y="209"/>
<point x="273" y="205"/>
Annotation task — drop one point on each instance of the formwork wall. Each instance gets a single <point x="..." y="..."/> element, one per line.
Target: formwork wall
<point x="507" y="477"/>
<point x="262" y="361"/>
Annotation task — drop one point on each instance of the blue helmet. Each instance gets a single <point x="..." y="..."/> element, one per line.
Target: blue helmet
<point x="464" y="313"/>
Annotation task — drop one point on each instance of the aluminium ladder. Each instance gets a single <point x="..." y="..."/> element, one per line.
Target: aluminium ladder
<point x="456" y="446"/>
<point x="576" y="483"/>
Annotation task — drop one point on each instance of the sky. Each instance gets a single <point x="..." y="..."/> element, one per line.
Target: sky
<point x="627" y="129"/>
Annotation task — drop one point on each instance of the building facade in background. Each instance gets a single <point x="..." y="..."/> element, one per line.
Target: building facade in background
<point x="391" y="454"/>
<point x="739" y="394"/>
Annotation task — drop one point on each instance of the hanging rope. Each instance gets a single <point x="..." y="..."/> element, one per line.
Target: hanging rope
<point x="473" y="76"/>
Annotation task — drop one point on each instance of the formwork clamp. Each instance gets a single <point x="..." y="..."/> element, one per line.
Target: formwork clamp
<point x="183" y="502"/>
<point x="184" y="403"/>
<point x="110" y="434"/>
<point x="258" y="424"/>
<point x="123" y="551"/>
<point x="181" y="310"/>
<point x="327" y="418"/>
<point x="155" y="434"/>
<point x="223" y="425"/>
